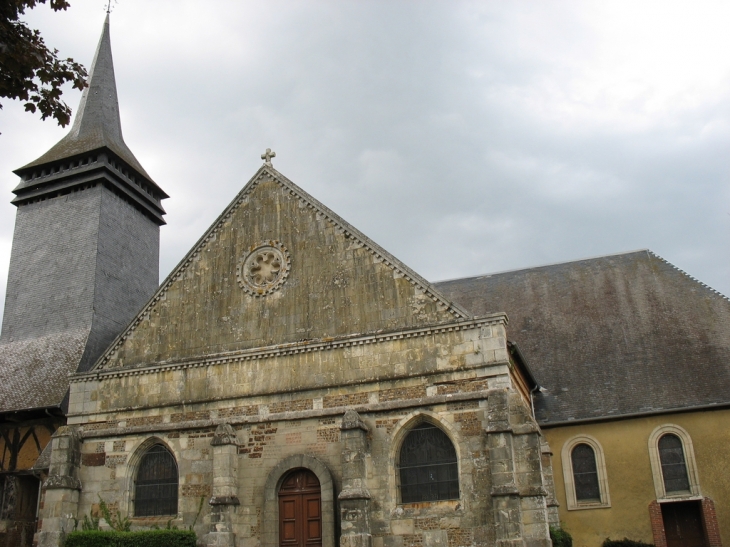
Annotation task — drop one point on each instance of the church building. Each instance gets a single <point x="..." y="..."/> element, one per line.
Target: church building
<point x="292" y="384"/>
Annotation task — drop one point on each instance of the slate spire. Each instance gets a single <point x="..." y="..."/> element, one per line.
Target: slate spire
<point x="97" y="123"/>
<point x="94" y="146"/>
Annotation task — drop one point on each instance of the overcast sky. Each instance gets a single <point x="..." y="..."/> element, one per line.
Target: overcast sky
<point x="464" y="137"/>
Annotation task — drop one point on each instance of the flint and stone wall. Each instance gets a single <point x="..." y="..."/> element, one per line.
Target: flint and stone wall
<point x="348" y="433"/>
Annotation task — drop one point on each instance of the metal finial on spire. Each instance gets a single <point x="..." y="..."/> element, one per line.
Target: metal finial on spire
<point x="266" y="156"/>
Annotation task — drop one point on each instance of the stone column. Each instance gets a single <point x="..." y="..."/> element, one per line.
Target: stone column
<point x="549" y="482"/>
<point x="518" y="492"/>
<point x="505" y="495"/>
<point x="61" y="503"/>
<point x="355" y="497"/>
<point x="225" y="487"/>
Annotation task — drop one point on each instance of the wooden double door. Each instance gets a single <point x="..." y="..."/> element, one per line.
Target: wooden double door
<point x="300" y="510"/>
<point x="683" y="524"/>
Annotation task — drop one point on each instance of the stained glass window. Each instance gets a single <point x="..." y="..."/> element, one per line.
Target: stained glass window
<point x="428" y="466"/>
<point x="674" y="467"/>
<point x="585" y="474"/>
<point x="156" y="486"/>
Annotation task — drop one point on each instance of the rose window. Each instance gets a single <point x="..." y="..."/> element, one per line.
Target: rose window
<point x="264" y="268"/>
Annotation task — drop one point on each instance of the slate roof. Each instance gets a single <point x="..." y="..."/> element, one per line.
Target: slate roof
<point x="34" y="373"/>
<point x="97" y="124"/>
<point x="611" y="336"/>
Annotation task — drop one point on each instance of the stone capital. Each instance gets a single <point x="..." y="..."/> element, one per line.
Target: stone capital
<point x="352" y="420"/>
<point x="224" y="435"/>
<point x="55" y="482"/>
<point x="354" y="494"/>
<point x="224" y="500"/>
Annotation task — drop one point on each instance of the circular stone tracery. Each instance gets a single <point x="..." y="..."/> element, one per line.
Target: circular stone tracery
<point x="264" y="268"/>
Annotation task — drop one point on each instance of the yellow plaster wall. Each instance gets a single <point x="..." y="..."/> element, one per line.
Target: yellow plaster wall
<point x="630" y="482"/>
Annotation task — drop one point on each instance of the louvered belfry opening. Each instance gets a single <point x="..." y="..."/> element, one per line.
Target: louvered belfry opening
<point x="674" y="467"/>
<point x="585" y="473"/>
<point x="428" y="466"/>
<point x="156" y="485"/>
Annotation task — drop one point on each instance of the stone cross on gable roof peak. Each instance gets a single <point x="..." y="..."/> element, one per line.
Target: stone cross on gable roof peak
<point x="266" y="156"/>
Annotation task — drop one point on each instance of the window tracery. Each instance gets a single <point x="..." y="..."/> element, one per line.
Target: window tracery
<point x="428" y="467"/>
<point x="155" y="490"/>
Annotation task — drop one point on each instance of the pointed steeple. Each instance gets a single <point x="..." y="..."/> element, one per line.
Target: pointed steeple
<point x="96" y="129"/>
<point x="97" y="123"/>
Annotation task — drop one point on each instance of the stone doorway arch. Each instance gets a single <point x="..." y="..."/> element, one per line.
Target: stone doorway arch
<point x="270" y="536"/>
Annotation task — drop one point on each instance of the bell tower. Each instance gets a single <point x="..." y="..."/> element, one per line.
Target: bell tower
<point x="85" y="254"/>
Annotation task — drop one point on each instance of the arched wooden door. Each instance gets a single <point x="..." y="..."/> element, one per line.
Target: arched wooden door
<point x="300" y="510"/>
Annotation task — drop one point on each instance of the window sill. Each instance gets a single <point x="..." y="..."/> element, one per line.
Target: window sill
<point x="159" y="520"/>
<point x="416" y="508"/>
<point x="588" y="505"/>
<point x="679" y="496"/>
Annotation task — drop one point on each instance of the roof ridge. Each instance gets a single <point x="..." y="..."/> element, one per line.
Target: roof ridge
<point x="543" y="265"/>
<point x="691" y="277"/>
<point x="343" y="227"/>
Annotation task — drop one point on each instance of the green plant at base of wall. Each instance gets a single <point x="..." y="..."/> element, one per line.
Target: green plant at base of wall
<point x="148" y="538"/>
<point x="89" y="523"/>
<point x="560" y="537"/>
<point x="117" y="523"/>
<point x="626" y="542"/>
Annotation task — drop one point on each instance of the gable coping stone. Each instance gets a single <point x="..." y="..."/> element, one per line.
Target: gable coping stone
<point x="341" y="226"/>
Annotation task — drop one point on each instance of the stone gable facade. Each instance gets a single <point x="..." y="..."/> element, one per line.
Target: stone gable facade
<point x="286" y="340"/>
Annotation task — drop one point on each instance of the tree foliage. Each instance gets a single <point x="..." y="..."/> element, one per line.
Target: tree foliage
<point x="31" y="72"/>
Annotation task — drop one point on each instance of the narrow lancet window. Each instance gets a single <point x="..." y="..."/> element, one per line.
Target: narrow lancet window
<point x="585" y="473"/>
<point x="674" y="466"/>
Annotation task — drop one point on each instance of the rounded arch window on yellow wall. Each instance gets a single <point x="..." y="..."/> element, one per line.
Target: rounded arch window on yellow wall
<point x="584" y="474"/>
<point x="673" y="464"/>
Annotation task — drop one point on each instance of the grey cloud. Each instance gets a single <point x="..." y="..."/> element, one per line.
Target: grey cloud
<point x="451" y="133"/>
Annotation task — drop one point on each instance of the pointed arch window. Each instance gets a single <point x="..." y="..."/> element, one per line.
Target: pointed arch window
<point x="584" y="473"/>
<point x="155" y="490"/>
<point x="673" y="463"/>
<point x="428" y="467"/>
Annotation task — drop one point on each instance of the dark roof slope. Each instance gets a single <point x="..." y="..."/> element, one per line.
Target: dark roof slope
<point x="611" y="336"/>
<point x="34" y="373"/>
